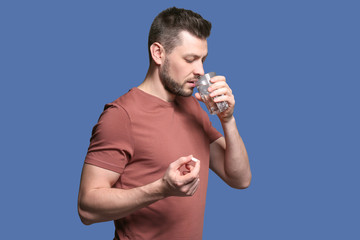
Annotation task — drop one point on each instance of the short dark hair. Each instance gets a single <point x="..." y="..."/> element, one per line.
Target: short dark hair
<point x="170" y="22"/>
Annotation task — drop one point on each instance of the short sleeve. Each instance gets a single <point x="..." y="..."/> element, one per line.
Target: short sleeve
<point x="212" y="133"/>
<point x="111" y="144"/>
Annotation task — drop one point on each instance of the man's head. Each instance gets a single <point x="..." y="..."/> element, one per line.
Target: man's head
<point x="178" y="48"/>
<point x="167" y="26"/>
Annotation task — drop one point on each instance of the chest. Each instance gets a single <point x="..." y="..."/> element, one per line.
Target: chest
<point x="162" y="139"/>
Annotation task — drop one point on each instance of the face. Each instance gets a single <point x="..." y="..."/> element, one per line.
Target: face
<point x="183" y="66"/>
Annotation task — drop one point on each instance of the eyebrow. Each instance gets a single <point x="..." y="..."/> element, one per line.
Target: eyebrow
<point x="194" y="55"/>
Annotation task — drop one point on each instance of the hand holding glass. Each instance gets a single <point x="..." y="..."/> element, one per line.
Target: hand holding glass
<point x="202" y="86"/>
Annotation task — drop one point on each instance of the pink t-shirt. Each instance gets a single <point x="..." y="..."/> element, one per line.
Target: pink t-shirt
<point x="139" y="135"/>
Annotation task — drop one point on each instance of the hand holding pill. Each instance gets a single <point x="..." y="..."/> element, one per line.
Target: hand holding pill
<point x="178" y="184"/>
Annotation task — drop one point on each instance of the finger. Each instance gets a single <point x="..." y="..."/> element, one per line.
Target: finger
<point x="179" y="162"/>
<point x="218" y="85"/>
<point x="185" y="172"/>
<point x="221" y="98"/>
<point x="224" y="98"/>
<point x="196" y="168"/>
<point x="219" y="92"/>
<point x="193" y="174"/>
<point x="218" y="78"/>
<point x="194" y="187"/>
<point x="186" y="187"/>
<point x="231" y="103"/>
<point x="189" y="166"/>
<point x="198" y="97"/>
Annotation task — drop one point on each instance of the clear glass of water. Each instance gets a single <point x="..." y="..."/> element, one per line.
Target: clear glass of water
<point x="202" y="86"/>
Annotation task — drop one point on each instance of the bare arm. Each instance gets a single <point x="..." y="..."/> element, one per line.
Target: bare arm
<point x="99" y="202"/>
<point x="229" y="159"/>
<point x="228" y="156"/>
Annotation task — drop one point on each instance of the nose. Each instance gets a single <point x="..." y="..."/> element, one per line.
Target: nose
<point x="199" y="69"/>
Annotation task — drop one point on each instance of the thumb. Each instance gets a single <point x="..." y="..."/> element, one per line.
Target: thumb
<point x="198" y="97"/>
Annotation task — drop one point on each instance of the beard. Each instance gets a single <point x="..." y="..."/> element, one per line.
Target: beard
<point x="171" y="85"/>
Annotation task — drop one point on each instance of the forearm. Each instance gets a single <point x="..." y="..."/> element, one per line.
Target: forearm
<point x="99" y="202"/>
<point x="236" y="162"/>
<point x="105" y="204"/>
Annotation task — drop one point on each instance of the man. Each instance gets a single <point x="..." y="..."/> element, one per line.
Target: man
<point x="139" y="170"/>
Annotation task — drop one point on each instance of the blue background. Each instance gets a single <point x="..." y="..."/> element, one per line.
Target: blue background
<point x="293" y="67"/>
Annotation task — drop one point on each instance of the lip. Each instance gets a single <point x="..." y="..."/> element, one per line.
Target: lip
<point x="192" y="82"/>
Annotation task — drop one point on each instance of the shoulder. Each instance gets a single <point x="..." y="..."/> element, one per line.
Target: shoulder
<point x="124" y="100"/>
<point x="114" y="120"/>
<point x="122" y="106"/>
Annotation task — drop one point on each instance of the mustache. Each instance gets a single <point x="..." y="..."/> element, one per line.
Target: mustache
<point x="193" y="79"/>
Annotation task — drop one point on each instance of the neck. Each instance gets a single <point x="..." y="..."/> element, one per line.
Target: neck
<point x="153" y="85"/>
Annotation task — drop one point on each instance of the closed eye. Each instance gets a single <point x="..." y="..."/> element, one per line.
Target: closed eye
<point x="192" y="58"/>
<point x="189" y="60"/>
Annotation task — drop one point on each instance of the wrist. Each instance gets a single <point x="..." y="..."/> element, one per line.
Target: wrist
<point x="163" y="188"/>
<point x="227" y="119"/>
<point x="155" y="190"/>
<point x="229" y="126"/>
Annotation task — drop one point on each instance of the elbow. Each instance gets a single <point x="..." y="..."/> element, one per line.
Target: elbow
<point x="85" y="216"/>
<point x="85" y="220"/>
<point x="241" y="183"/>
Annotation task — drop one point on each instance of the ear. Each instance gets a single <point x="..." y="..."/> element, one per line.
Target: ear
<point x="157" y="53"/>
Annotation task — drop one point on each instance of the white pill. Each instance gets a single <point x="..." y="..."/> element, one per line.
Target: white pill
<point x="195" y="160"/>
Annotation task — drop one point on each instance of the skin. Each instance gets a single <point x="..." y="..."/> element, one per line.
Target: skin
<point x="98" y="201"/>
